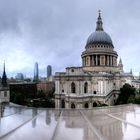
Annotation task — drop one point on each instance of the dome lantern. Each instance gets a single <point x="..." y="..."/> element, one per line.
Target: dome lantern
<point x="99" y="23"/>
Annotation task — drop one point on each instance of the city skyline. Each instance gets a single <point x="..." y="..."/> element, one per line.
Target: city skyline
<point x="48" y="31"/>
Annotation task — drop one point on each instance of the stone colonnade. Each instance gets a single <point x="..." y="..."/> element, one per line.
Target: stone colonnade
<point x="100" y="60"/>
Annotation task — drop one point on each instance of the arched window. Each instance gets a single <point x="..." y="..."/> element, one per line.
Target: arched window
<point x="72" y="105"/>
<point x="63" y="103"/>
<point x="86" y="105"/>
<point x="73" y="88"/>
<point x="62" y="90"/>
<point x="86" y="87"/>
<point x="94" y="104"/>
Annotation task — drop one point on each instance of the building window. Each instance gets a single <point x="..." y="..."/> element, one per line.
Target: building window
<point x="94" y="104"/>
<point x="86" y="105"/>
<point x="63" y="103"/>
<point x="73" y="88"/>
<point x="72" y="105"/>
<point x="5" y="94"/>
<point x="72" y="70"/>
<point x="98" y="60"/>
<point x="94" y="92"/>
<point x="62" y="90"/>
<point x="86" y="87"/>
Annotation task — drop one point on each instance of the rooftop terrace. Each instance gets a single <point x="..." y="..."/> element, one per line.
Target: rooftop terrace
<point x="108" y="123"/>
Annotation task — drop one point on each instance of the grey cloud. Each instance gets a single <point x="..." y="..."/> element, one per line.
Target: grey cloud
<point x="55" y="32"/>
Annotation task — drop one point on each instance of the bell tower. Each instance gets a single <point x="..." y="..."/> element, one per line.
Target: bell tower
<point x="4" y="77"/>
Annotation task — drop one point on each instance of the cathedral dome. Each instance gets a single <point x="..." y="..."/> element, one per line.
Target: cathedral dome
<point x="99" y="37"/>
<point x="99" y="54"/>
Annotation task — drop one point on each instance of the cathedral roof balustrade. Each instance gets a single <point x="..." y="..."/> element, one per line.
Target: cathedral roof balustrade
<point x="60" y="73"/>
<point x="99" y="51"/>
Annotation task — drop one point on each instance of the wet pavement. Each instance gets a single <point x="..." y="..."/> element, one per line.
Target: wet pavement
<point x="108" y="123"/>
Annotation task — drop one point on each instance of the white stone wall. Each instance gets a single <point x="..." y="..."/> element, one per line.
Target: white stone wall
<point x="103" y="84"/>
<point x="74" y="70"/>
<point x="4" y="96"/>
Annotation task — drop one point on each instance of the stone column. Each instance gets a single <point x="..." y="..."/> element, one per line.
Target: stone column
<point x="96" y="60"/>
<point x="84" y="61"/>
<point x="107" y="60"/>
<point x="110" y="60"/>
<point x="67" y="91"/>
<point x="81" y="86"/>
<point x="90" y="87"/>
<point x="90" y="104"/>
<point x="101" y="87"/>
<point x="77" y="87"/>
<point x="88" y="61"/>
<point x="115" y="61"/>
<point x="105" y="87"/>
<point x="102" y="60"/>
<point x="57" y="87"/>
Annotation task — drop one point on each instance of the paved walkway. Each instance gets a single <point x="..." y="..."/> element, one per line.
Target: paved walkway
<point x="108" y="123"/>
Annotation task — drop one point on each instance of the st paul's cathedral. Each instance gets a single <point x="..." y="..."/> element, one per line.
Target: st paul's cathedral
<point x="98" y="80"/>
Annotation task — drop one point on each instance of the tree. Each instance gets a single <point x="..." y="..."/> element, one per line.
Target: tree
<point x="131" y="99"/>
<point x="125" y="92"/>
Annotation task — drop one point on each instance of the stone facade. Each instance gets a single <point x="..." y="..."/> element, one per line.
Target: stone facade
<point x="4" y="95"/>
<point x="97" y="81"/>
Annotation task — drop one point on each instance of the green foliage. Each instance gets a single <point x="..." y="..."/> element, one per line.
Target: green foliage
<point x="137" y="100"/>
<point x="134" y="100"/>
<point x="131" y="99"/>
<point x="40" y="94"/>
<point x="125" y="93"/>
<point x="46" y="102"/>
<point x="39" y="100"/>
<point x="128" y="94"/>
<point x="19" y="99"/>
<point x="28" y="102"/>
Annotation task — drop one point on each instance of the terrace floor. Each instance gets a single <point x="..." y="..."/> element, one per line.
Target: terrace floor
<point x="107" y="123"/>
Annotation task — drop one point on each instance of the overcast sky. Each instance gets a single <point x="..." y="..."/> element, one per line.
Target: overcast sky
<point x="54" y="32"/>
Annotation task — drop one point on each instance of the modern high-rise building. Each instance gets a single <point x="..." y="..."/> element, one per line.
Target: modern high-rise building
<point x="36" y="72"/>
<point x="19" y="77"/>
<point x="49" y="71"/>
